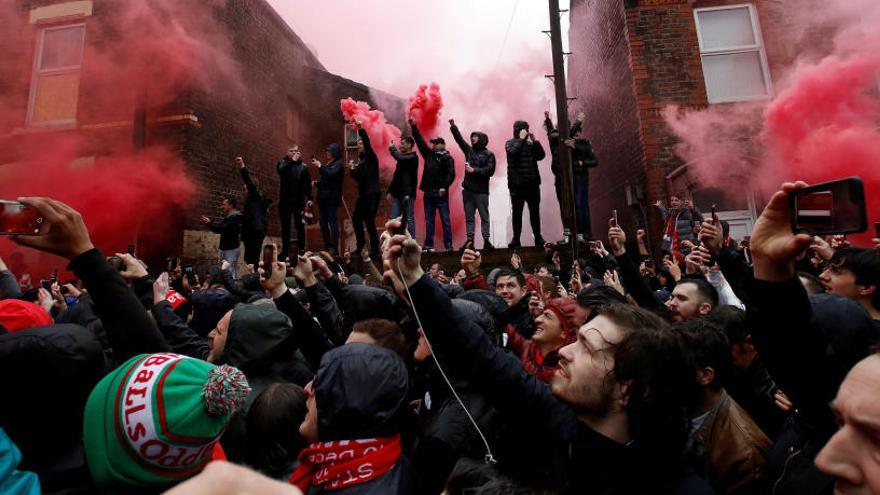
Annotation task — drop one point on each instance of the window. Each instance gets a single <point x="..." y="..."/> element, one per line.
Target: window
<point x="732" y="51"/>
<point x="55" y="85"/>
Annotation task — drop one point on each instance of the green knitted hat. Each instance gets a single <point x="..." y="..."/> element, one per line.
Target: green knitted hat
<point x="155" y="420"/>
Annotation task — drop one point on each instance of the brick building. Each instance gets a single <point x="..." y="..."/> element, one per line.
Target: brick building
<point x="633" y="58"/>
<point x="53" y="85"/>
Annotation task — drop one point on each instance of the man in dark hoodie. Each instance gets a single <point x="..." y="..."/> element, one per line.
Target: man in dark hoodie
<point x="366" y="173"/>
<point x="437" y="176"/>
<point x="582" y="160"/>
<point x="355" y="405"/>
<point x="296" y="192"/>
<point x="403" y="184"/>
<point x="524" y="180"/>
<point x="256" y="211"/>
<point x="479" y="166"/>
<point x="330" y="194"/>
<point x="230" y="232"/>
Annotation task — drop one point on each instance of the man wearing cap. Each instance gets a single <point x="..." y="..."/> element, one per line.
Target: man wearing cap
<point x="437" y="176"/>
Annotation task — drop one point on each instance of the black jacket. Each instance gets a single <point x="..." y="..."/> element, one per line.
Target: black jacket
<point x="580" y="459"/>
<point x="582" y="156"/>
<point x="229" y="229"/>
<point x="439" y="171"/>
<point x="256" y="205"/>
<point x="480" y="158"/>
<point x="366" y="174"/>
<point x="361" y="392"/>
<point x="332" y="174"/>
<point x="296" y="182"/>
<point x="49" y="373"/>
<point x="522" y="160"/>
<point x="406" y="174"/>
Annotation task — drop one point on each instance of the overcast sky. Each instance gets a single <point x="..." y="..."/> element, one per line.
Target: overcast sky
<point x="393" y="44"/>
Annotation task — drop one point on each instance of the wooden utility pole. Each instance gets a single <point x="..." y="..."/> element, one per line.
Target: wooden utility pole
<point x="563" y="152"/>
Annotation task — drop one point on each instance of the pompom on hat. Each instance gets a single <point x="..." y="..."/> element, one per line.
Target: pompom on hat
<point x="156" y="420"/>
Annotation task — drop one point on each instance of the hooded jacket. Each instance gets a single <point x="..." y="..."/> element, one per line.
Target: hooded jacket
<point x="50" y="372"/>
<point x="361" y="392"/>
<point x="330" y="184"/>
<point x="522" y="160"/>
<point x="405" y="174"/>
<point x="480" y="158"/>
<point x="367" y="172"/>
<point x="296" y="182"/>
<point x="439" y="171"/>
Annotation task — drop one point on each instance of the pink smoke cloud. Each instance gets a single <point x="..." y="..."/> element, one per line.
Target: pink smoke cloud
<point x="381" y="133"/>
<point x="424" y="108"/>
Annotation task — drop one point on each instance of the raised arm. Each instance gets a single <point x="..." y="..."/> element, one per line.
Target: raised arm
<point x="456" y="134"/>
<point x="423" y="147"/>
<point x="246" y="177"/>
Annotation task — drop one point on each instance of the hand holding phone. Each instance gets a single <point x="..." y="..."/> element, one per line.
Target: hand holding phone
<point x="19" y="219"/>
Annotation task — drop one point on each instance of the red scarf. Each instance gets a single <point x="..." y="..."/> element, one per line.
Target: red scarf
<point x="344" y="463"/>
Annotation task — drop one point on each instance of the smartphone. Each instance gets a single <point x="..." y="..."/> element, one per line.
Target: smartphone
<point x="46" y="284"/>
<point x="268" y="259"/>
<point x="836" y="207"/>
<point x="19" y="219"/>
<point x="131" y="249"/>
<point x="116" y="263"/>
<point x="190" y="274"/>
<point x="877" y="229"/>
<point x="54" y="278"/>
<point x="614" y="215"/>
<point x="714" y="212"/>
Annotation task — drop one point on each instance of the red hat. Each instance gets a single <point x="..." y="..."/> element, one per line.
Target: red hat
<point x="18" y="315"/>
<point x="564" y="308"/>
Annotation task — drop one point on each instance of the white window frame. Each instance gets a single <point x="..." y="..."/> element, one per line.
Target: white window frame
<point x="758" y="47"/>
<point x="37" y="73"/>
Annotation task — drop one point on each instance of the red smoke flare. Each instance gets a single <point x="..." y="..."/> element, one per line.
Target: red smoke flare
<point x="381" y="133"/>
<point x="424" y="107"/>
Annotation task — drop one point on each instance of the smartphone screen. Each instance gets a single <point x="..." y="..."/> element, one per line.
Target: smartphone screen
<point x="131" y="249"/>
<point x="877" y="228"/>
<point x="836" y="207"/>
<point x="19" y="219"/>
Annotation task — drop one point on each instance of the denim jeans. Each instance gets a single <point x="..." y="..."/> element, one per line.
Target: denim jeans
<point x="518" y="199"/>
<point x="329" y="223"/>
<point x="364" y="217"/>
<point x="433" y="203"/>
<point x="231" y="255"/>
<point x="582" y="204"/>
<point x="476" y="202"/>
<point x="397" y="208"/>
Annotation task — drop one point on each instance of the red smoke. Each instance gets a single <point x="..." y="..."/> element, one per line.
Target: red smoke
<point x="820" y="127"/>
<point x="381" y="133"/>
<point x="424" y="108"/>
<point x="154" y="53"/>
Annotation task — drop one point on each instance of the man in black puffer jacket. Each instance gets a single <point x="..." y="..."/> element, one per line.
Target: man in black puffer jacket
<point x="255" y="215"/>
<point x="437" y="176"/>
<point x="479" y="166"/>
<point x="295" y="193"/>
<point x="524" y="180"/>
<point x="330" y="194"/>
<point x="403" y="184"/>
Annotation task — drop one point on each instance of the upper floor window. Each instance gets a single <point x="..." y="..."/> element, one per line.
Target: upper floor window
<point x="55" y="83"/>
<point x="732" y="52"/>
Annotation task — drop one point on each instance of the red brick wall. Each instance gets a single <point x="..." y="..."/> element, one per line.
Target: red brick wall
<point x="599" y="76"/>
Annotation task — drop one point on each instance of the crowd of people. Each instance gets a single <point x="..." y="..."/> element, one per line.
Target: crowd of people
<point x="724" y="367"/>
<point x="523" y="153"/>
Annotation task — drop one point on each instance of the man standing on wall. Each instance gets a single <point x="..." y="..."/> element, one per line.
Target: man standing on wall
<point x="524" y="180"/>
<point x="296" y="192"/>
<point x="256" y="212"/>
<point x="479" y="166"/>
<point x="230" y="231"/>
